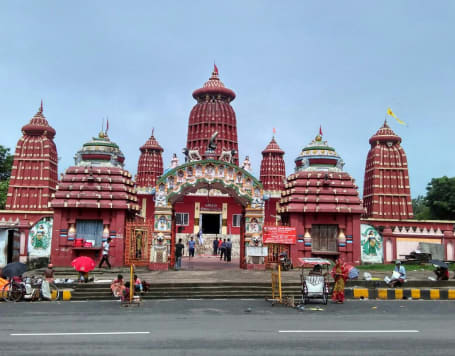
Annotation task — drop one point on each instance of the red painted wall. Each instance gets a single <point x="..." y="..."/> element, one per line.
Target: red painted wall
<point x="350" y="223"/>
<point x="62" y="248"/>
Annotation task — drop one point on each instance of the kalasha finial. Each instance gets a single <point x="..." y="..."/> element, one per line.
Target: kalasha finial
<point x="215" y="69"/>
<point x="153" y="131"/>
<point x="41" y="106"/>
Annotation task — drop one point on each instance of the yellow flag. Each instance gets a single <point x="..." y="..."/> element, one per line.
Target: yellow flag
<point x="391" y="113"/>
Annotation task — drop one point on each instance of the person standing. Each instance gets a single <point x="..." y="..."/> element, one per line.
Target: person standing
<point x="215" y="247"/>
<point x="219" y="245"/>
<point x="228" y="250"/>
<point x="178" y="254"/>
<point x="106" y="246"/>
<point x="339" y="274"/>
<point x="191" y="246"/>
<point x="223" y="250"/>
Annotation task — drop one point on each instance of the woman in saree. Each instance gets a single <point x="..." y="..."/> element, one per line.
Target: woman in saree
<point x="339" y="274"/>
<point x="117" y="286"/>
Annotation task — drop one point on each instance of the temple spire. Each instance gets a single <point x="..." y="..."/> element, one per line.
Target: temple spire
<point x="41" y="107"/>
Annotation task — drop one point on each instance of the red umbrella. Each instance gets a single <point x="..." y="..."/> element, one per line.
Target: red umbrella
<point x="83" y="264"/>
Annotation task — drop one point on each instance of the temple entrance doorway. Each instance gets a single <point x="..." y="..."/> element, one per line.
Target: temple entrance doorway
<point x="211" y="223"/>
<point x="202" y="201"/>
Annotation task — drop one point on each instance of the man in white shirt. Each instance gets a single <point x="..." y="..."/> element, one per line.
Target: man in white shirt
<point x="105" y="253"/>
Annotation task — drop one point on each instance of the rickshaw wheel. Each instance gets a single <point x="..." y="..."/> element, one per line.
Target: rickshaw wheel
<point x="325" y="297"/>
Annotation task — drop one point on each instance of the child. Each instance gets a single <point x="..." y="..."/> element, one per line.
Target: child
<point x="137" y="284"/>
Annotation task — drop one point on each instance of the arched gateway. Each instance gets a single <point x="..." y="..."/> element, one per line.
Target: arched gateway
<point x="200" y="177"/>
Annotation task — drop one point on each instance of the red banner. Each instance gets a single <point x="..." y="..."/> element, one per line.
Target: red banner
<point x="279" y="235"/>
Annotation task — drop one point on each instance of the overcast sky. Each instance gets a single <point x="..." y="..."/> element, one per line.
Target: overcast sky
<point x="293" y="65"/>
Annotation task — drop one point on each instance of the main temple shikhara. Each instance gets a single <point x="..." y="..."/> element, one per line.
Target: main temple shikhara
<point x="212" y="191"/>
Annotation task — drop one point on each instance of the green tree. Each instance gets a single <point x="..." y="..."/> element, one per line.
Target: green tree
<point x="420" y="208"/>
<point x="6" y="162"/>
<point x="440" y="198"/>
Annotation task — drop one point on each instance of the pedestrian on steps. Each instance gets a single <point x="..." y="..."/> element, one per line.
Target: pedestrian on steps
<point x="215" y="247"/>
<point x="228" y="250"/>
<point x="106" y="246"/>
<point x="223" y="250"/>
<point x="191" y="246"/>
<point x="178" y="254"/>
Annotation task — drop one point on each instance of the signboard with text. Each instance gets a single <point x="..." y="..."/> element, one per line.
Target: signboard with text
<point x="279" y="235"/>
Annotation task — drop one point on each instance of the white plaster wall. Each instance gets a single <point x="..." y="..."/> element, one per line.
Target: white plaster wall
<point x="3" y="246"/>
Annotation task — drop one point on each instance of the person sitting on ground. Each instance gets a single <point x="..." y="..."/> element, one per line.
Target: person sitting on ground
<point x="117" y="286"/>
<point x="49" y="273"/>
<point x="398" y="276"/>
<point x="83" y="277"/>
<point x="138" y="287"/>
<point x="442" y="274"/>
<point x="126" y="292"/>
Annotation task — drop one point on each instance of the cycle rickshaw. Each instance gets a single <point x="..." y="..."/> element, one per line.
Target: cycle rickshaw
<point x="314" y="279"/>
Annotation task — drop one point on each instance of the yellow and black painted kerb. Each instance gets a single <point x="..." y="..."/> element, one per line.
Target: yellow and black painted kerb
<point x="400" y="293"/>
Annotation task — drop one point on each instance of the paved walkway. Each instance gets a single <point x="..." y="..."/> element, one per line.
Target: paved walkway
<point x="209" y="269"/>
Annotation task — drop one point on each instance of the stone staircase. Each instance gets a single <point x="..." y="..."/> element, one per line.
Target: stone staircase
<point x="220" y="290"/>
<point x="226" y="290"/>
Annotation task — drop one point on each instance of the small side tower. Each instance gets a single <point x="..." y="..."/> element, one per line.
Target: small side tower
<point x="34" y="173"/>
<point x="273" y="172"/>
<point x="386" y="191"/>
<point x="150" y="164"/>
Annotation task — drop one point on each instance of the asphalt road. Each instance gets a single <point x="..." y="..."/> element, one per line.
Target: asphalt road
<point x="227" y="327"/>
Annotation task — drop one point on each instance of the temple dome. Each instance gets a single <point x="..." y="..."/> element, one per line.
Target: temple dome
<point x="273" y="147"/>
<point x="319" y="156"/>
<point x="385" y="134"/>
<point x="38" y="125"/>
<point x="100" y="151"/>
<point x="151" y="144"/>
<point x="214" y="86"/>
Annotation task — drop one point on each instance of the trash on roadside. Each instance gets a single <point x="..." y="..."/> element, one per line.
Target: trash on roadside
<point x="248" y="310"/>
<point x="316" y="309"/>
<point x="367" y="276"/>
<point x="374" y="307"/>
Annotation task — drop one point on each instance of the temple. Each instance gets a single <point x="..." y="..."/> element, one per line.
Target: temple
<point x="26" y="224"/>
<point x="386" y="192"/>
<point x="93" y="201"/>
<point x="210" y="193"/>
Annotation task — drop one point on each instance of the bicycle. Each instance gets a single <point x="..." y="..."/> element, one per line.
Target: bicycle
<point x="13" y="291"/>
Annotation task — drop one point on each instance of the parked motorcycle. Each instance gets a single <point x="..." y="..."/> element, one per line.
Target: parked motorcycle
<point x="285" y="262"/>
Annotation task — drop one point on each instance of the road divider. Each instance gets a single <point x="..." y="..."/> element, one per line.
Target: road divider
<point x="400" y="293"/>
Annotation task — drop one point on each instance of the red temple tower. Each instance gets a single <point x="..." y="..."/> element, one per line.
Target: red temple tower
<point x="273" y="172"/>
<point x="149" y="168"/>
<point x="386" y="192"/>
<point x="272" y="177"/>
<point x="150" y="164"/>
<point x="213" y="113"/>
<point x="34" y="172"/>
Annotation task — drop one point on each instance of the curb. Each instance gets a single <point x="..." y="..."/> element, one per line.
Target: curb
<point x="400" y="293"/>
